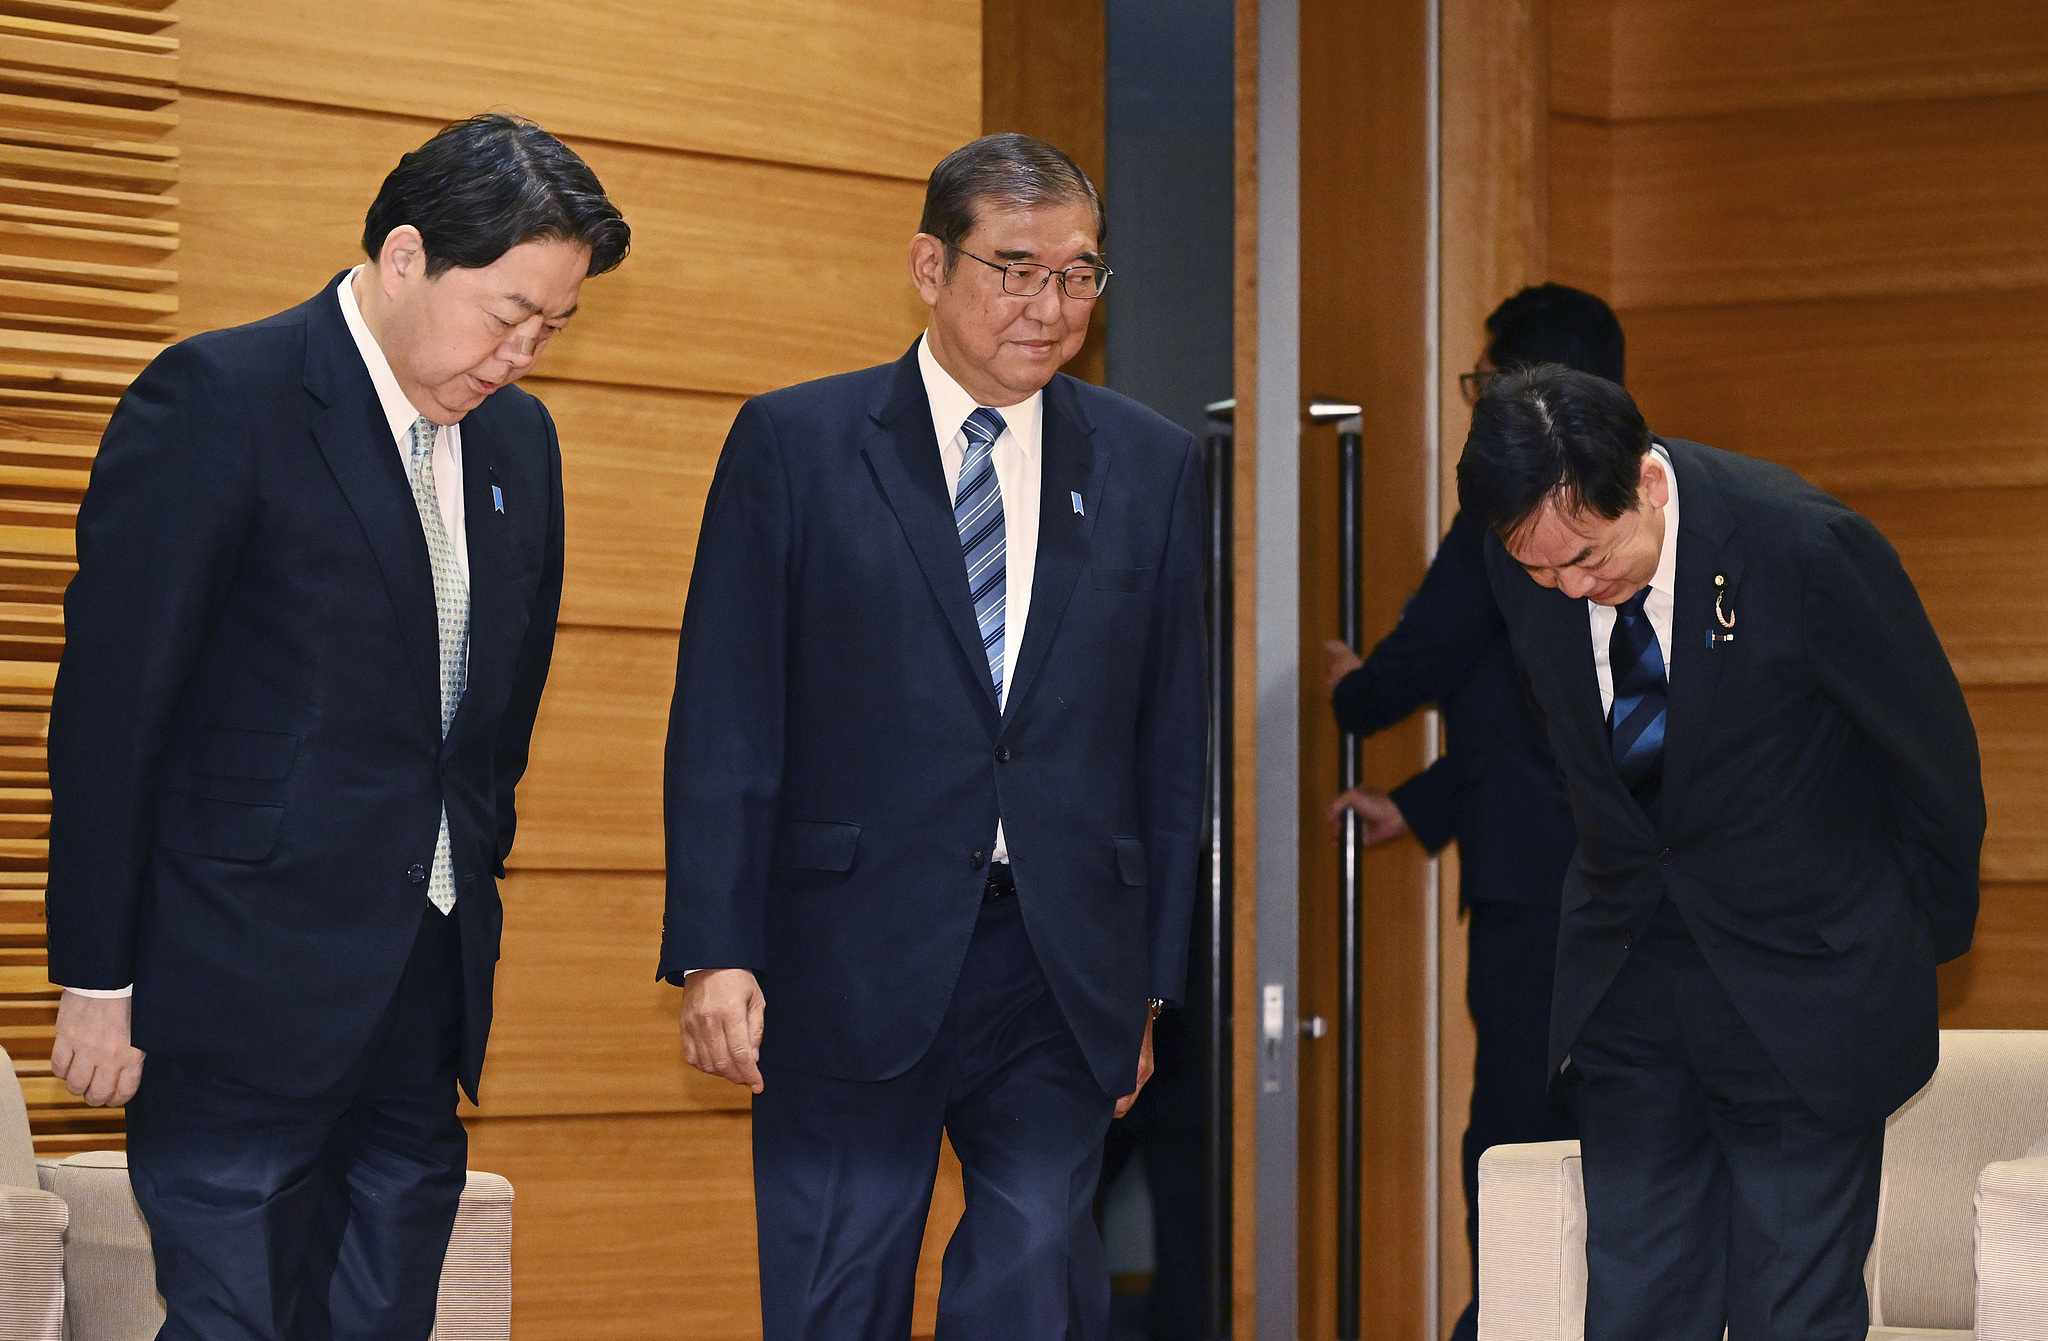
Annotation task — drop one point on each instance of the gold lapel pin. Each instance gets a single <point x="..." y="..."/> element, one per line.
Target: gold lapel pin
<point x="1726" y="618"/>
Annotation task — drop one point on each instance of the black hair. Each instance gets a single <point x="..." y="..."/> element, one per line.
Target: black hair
<point x="483" y="186"/>
<point x="1550" y="323"/>
<point x="1009" y="171"/>
<point x="1550" y="434"/>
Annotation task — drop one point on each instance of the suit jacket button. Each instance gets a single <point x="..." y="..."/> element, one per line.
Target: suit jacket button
<point x="974" y="861"/>
<point x="416" y="874"/>
<point x="1002" y="754"/>
<point x="1665" y="856"/>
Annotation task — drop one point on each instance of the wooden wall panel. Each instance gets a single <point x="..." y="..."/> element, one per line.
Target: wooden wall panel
<point x="1999" y="983"/>
<point x="2012" y="733"/>
<point x="1976" y="557"/>
<point x="636" y="465"/>
<point x="1832" y="201"/>
<point x="819" y="82"/>
<point x="1917" y="392"/>
<point x="743" y="276"/>
<point x="1686" y="58"/>
<point x="591" y="799"/>
<point x="85" y="291"/>
<point x="577" y="982"/>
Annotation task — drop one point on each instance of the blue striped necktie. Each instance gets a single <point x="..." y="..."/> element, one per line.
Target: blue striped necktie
<point x="978" y="513"/>
<point x="1636" y="721"/>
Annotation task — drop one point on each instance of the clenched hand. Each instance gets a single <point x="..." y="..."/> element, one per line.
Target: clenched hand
<point x="92" y="1055"/>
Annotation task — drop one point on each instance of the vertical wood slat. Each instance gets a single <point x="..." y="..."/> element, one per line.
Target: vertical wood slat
<point x="86" y="181"/>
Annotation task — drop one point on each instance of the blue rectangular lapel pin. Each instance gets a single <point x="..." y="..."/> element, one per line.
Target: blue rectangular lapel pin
<point x="497" y="498"/>
<point x="1078" y="509"/>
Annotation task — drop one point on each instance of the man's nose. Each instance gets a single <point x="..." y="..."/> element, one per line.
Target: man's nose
<point x="1572" y="584"/>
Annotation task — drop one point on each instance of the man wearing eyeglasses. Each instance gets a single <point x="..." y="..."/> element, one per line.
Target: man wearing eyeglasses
<point x="935" y="771"/>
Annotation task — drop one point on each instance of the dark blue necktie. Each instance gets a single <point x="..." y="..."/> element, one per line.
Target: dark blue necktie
<point x="978" y="514"/>
<point x="1636" y="721"/>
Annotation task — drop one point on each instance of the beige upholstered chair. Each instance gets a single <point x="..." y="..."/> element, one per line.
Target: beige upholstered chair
<point x="31" y="1229"/>
<point x="1962" y="1231"/>
<point x="111" y="1281"/>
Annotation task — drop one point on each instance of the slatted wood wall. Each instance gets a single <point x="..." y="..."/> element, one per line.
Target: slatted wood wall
<point x="770" y="157"/>
<point x="88" y="164"/>
<point x="1825" y="228"/>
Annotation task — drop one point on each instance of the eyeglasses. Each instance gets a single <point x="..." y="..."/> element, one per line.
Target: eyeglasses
<point x="1474" y="383"/>
<point x="1027" y="279"/>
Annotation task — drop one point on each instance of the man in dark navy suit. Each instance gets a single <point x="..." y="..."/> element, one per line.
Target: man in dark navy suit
<point x="1496" y="788"/>
<point x="318" y="570"/>
<point x="935" y="779"/>
<point x="1775" y="782"/>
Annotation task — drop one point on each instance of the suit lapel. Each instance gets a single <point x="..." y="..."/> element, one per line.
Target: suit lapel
<point x="1705" y="533"/>
<point x="493" y="611"/>
<point x="1069" y="466"/>
<point x="1563" y="637"/>
<point x="356" y="441"/>
<point x="904" y="456"/>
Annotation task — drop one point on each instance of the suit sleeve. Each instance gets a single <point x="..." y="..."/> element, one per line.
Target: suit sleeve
<point x="1443" y="633"/>
<point x="727" y="721"/>
<point x="1426" y="802"/>
<point x="536" y="652"/>
<point x="1173" y="737"/>
<point x="165" y="516"/>
<point x="1873" y="651"/>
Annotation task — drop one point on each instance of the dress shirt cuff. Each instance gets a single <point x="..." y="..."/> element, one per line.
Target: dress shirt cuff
<point x="103" y="992"/>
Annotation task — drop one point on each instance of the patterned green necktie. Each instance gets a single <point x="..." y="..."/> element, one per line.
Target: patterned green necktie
<point x="451" y="600"/>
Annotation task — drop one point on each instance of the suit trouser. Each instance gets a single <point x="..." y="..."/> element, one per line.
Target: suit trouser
<point x="1511" y="967"/>
<point x="316" y="1219"/>
<point x="1713" y="1193"/>
<point x="843" y="1172"/>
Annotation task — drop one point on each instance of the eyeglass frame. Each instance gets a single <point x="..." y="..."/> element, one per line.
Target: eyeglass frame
<point x="1050" y="274"/>
<point x="1473" y="384"/>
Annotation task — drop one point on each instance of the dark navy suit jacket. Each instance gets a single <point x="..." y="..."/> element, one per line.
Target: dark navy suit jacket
<point x="837" y="760"/>
<point x="246" y="760"/>
<point x="1821" y="809"/>
<point x="1496" y="789"/>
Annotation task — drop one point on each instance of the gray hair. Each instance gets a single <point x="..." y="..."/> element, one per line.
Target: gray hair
<point x="1009" y="171"/>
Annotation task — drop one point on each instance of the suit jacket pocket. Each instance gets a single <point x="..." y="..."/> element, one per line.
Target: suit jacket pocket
<point x="1126" y="579"/>
<point x="232" y="753"/>
<point x="208" y="827"/>
<point x="1130" y="860"/>
<point x="816" y="845"/>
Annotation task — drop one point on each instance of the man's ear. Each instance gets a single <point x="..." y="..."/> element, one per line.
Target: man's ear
<point x="1654" y="483"/>
<point x="402" y="258"/>
<point x="928" y="267"/>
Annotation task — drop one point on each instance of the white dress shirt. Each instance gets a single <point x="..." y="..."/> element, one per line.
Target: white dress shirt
<point x="1018" y="455"/>
<point x="399" y="413"/>
<point x="1658" y="606"/>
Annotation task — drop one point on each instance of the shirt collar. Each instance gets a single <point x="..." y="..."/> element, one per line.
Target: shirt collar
<point x="399" y="412"/>
<point x="951" y="404"/>
<point x="1666" y="578"/>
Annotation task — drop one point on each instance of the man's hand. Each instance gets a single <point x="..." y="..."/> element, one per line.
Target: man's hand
<point x="92" y="1055"/>
<point x="723" y="1014"/>
<point x="1381" y="818"/>
<point x="1343" y="661"/>
<point x="1123" y="1105"/>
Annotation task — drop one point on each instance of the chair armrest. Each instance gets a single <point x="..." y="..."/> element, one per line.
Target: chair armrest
<point x="1532" y="1243"/>
<point x="2012" y="1243"/>
<point x="32" y="1224"/>
<point x="109" y="1274"/>
<point x="476" y="1278"/>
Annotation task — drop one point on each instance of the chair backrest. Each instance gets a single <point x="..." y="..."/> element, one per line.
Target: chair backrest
<point x="1988" y="1101"/>
<point x="17" y="1151"/>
